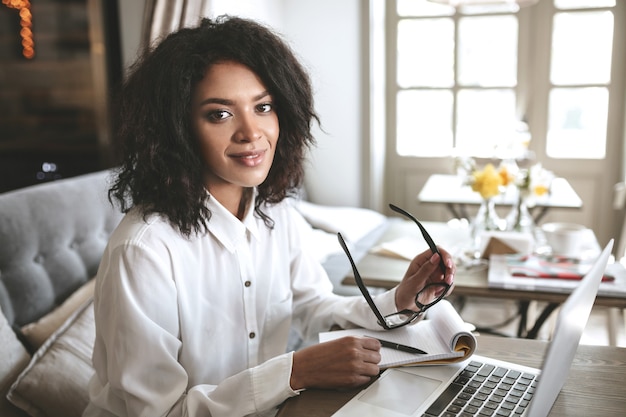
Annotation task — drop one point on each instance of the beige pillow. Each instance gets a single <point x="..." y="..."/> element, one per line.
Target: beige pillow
<point x="37" y="332"/>
<point x="13" y="359"/>
<point x="55" y="382"/>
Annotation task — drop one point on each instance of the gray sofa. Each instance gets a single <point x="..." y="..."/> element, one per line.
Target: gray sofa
<point x="52" y="236"/>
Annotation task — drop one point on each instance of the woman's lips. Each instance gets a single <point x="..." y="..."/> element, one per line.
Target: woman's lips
<point x="249" y="159"/>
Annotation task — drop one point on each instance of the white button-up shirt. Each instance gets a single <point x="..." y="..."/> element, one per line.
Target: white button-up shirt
<point x="199" y="326"/>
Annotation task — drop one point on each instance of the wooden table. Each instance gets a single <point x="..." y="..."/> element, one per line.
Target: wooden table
<point x="594" y="387"/>
<point x="386" y="272"/>
<point x="451" y="191"/>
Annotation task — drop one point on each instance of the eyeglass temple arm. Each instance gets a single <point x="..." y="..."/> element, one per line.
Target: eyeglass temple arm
<point x="360" y="284"/>
<point x="429" y="240"/>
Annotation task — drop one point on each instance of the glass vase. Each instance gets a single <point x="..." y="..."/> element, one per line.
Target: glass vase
<point x="486" y="219"/>
<point x="519" y="218"/>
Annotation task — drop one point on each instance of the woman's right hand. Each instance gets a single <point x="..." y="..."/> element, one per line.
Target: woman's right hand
<point x="347" y="362"/>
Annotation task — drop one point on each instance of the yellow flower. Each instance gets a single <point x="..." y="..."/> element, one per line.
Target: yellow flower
<point x="487" y="182"/>
<point x="507" y="176"/>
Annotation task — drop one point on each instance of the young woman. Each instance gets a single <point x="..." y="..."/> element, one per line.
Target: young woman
<point x="206" y="274"/>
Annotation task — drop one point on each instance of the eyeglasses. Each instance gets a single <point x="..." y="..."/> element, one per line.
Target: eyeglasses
<point x="427" y="297"/>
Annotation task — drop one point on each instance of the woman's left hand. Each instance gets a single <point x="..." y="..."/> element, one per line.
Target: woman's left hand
<point x="423" y="269"/>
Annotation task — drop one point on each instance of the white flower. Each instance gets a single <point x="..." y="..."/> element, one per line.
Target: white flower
<point x="533" y="182"/>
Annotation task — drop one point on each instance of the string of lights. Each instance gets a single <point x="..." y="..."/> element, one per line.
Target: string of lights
<point x="26" y="23"/>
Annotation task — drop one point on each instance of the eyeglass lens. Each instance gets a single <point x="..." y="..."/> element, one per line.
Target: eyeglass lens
<point x="431" y="294"/>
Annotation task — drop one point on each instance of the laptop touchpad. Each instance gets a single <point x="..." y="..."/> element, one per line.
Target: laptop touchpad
<point x="401" y="392"/>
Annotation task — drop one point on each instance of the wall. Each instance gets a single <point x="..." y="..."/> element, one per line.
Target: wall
<point x="326" y="33"/>
<point x="326" y="36"/>
<point x="130" y="16"/>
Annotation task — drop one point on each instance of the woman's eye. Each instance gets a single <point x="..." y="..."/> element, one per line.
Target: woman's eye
<point x="265" y="107"/>
<point x="217" y="115"/>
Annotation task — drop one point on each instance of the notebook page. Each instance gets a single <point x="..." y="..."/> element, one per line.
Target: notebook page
<point x="434" y="336"/>
<point x="450" y="325"/>
<point x="423" y="336"/>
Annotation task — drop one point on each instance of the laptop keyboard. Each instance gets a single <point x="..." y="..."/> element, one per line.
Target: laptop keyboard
<point x="485" y="390"/>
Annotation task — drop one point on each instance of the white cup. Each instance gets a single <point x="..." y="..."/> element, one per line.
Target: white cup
<point x="566" y="239"/>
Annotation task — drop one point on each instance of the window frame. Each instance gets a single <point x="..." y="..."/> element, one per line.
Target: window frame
<point x="533" y="85"/>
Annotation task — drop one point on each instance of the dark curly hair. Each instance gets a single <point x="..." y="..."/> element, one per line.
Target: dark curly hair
<point x="161" y="166"/>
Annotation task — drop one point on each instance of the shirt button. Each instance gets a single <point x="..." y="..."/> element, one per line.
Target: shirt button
<point x="252" y="335"/>
<point x="247" y="283"/>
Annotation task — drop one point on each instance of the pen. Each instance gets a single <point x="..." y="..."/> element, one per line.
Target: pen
<point x="398" y="346"/>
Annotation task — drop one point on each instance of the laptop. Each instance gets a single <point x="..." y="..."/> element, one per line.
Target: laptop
<point x="484" y="386"/>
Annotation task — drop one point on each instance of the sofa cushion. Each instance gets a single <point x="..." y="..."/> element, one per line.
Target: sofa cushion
<point x="54" y="384"/>
<point x="13" y="359"/>
<point x="52" y="237"/>
<point x="354" y="223"/>
<point x="38" y="332"/>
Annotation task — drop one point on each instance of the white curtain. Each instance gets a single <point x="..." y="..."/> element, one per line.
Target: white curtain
<point x="161" y="17"/>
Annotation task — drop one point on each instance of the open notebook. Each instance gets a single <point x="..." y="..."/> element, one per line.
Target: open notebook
<point x="444" y="336"/>
<point x="482" y="383"/>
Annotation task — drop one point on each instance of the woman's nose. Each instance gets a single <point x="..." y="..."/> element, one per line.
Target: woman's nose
<point x="248" y="129"/>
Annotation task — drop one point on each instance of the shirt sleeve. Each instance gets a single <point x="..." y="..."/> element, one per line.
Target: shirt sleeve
<point x="137" y="347"/>
<point x="256" y="389"/>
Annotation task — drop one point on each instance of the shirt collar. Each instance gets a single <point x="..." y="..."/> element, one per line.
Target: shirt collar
<point x="227" y="228"/>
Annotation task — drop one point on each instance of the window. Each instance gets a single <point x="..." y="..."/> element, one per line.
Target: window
<point x="579" y="95"/>
<point x="464" y="78"/>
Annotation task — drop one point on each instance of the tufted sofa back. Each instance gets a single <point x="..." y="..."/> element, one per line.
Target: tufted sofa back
<point x="52" y="237"/>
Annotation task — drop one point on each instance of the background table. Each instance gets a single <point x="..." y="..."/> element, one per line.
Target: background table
<point x="594" y="387"/>
<point x="386" y="272"/>
<point x="451" y="191"/>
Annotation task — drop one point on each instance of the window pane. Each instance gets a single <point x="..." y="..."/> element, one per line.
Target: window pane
<point x="574" y="48"/>
<point x="486" y="121"/>
<point x="484" y="59"/>
<point x="577" y="123"/>
<point x="423" y="8"/>
<point x="426" y="53"/>
<point x="580" y="4"/>
<point x="424" y="123"/>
